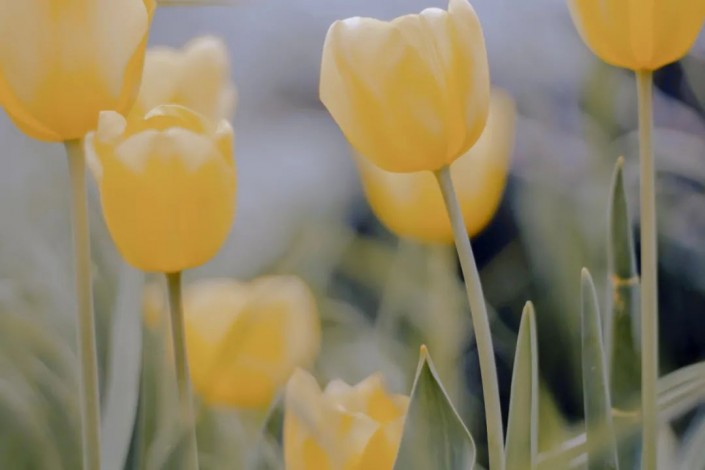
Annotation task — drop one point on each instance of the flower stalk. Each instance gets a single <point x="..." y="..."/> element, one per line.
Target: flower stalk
<point x="649" y="268"/>
<point x="183" y="380"/>
<point x="480" y="320"/>
<point x="90" y="402"/>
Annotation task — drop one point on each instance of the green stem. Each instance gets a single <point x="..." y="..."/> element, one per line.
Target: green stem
<point x="480" y="320"/>
<point x="90" y="402"/>
<point x="182" y="371"/>
<point x="649" y="281"/>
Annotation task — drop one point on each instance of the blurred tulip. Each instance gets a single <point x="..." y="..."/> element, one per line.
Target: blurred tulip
<point x="244" y="340"/>
<point x="197" y="76"/>
<point x="639" y="35"/>
<point x="344" y="427"/>
<point x="167" y="185"/>
<point x="411" y="94"/>
<point x="61" y="63"/>
<point x="411" y="204"/>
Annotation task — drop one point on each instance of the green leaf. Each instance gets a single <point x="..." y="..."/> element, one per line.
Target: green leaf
<point x="522" y="432"/>
<point x="122" y="395"/>
<point x="434" y="435"/>
<point x="596" y="397"/>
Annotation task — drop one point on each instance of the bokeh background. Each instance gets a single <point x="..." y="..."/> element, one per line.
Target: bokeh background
<point x="301" y="210"/>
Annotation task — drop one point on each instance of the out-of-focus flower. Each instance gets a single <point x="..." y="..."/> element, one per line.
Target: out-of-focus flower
<point x="638" y="35"/>
<point x="411" y="204"/>
<point x="411" y="94"/>
<point x="244" y="340"/>
<point x="167" y="185"/>
<point x="61" y="63"/>
<point x="197" y="76"/>
<point x="349" y="427"/>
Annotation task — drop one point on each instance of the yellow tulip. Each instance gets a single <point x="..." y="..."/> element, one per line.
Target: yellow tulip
<point x="411" y="204"/>
<point x="345" y="427"/>
<point x="411" y="94"/>
<point x="638" y="34"/>
<point x="167" y="186"/>
<point x="244" y="340"/>
<point x="62" y="62"/>
<point x="197" y="76"/>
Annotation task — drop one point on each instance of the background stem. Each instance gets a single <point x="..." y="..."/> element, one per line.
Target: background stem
<point x="649" y="267"/>
<point x="480" y="320"/>
<point x="182" y="371"/>
<point x="90" y="402"/>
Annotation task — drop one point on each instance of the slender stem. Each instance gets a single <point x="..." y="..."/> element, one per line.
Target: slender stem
<point x="90" y="402"/>
<point x="649" y="281"/>
<point x="481" y="324"/>
<point x="183" y="379"/>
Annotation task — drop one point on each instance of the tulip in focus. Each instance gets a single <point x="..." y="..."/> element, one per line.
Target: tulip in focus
<point x="411" y="94"/>
<point x="197" y="76"/>
<point x="640" y="35"/>
<point x="411" y="204"/>
<point x="167" y="186"/>
<point x="344" y="427"/>
<point x="244" y="340"/>
<point x="62" y="62"/>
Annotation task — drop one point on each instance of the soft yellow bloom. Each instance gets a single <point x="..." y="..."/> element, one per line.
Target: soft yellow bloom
<point x="638" y="34"/>
<point x="167" y="186"/>
<point x="197" y="76"/>
<point x="342" y="428"/>
<point x="64" y="61"/>
<point x="411" y="204"/>
<point x="244" y="340"/>
<point x="411" y="94"/>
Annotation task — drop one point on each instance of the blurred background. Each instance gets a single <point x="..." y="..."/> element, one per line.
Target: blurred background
<point x="301" y="210"/>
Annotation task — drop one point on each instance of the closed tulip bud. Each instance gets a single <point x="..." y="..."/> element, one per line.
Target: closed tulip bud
<point x="411" y="204"/>
<point x="167" y="186"/>
<point x="197" y="76"/>
<point x="62" y="62"/>
<point x="348" y="427"/>
<point x="641" y="35"/>
<point x="244" y="340"/>
<point x="411" y="94"/>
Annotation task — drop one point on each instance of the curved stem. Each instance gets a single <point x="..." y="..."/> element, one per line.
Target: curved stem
<point x="480" y="320"/>
<point x="649" y="280"/>
<point x="183" y="379"/>
<point x="90" y="402"/>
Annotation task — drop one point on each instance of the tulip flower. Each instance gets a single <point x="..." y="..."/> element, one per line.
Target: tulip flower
<point x="411" y="204"/>
<point x="245" y="339"/>
<point x="167" y="186"/>
<point x="638" y="35"/>
<point x="61" y="62"/>
<point x="197" y="77"/>
<point x="411" y="94"/>
<point x="348" y="427"/>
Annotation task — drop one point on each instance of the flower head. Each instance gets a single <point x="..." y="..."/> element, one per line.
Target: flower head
<point x="638" y="35"/>
<point x="244" y="340"/>
<point x="167" y="186"/>
<point x="62" y="62"/>
<point x="411" y="94"/>
<point x="411" y="204"/>
<point x="352" y="427"/>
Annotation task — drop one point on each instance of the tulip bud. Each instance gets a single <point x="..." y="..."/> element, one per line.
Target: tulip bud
<point x="411" y="204"/>
<point x="197" y="77"/>
<point x="167" y="186"/>
<point x="355" y="428"/>
<point x="244" y="340"/>
<point x="411" y="94"/>
<point x="639" y="35"/>
<point x="61" y="63"/>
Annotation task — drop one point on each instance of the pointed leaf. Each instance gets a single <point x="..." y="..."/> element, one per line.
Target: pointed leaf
<point x="596" y="397"/>
<point x="522" y="432"/>
<point x="434" y="435"/>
